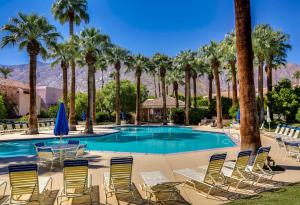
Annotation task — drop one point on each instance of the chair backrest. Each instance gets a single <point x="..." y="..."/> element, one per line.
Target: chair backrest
<point x="39" y="144"/>
<point x="292" y="131"/>
<point x="241" y="162"/>
<point x="261" y="158"/>
<point x="75" y="174"/>
<point x="120" y="172"/>
<point x="296" y="134"/>
<point x="45" y="153"/>
<point x="73" y="142"/>
<point x="23" y="179"/>
<point x="277" y="129"/>
<point x="18" y="126"/>
<point x="281" y="130"/>
<point x="81" y="149"/>
<point x="1" y="127"/>
<point x="215" y="165"/>
<point x="286" y="131"/>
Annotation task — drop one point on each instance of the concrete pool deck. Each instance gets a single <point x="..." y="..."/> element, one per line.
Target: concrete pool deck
<point x="99" y="163"/>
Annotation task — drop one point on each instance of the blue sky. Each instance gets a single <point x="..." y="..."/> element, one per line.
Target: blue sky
<point x="167" y="26"/>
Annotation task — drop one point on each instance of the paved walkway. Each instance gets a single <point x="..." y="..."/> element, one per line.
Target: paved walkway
<point x="99" y="163"/>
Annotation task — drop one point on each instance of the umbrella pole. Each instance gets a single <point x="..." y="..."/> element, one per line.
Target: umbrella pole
<point x="60" y="152"/>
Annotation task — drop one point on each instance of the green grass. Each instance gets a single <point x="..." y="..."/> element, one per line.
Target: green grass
<point x="288" y="195"/>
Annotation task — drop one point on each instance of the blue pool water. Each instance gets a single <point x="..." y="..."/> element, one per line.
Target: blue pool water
<point x="142" y="139"/>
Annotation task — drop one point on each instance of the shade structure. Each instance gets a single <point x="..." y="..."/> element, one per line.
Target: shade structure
<point x="61" y="123"/>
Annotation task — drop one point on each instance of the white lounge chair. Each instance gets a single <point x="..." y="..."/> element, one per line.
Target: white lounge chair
<point x="209" y="175"/>
<point x="155" y="182"/>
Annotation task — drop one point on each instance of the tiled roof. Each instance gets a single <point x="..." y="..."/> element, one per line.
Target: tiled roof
<point x="13" y="83"/>
<point x="158" y="103"/>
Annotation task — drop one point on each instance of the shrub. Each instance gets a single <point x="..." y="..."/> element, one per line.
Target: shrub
<point x="52" y="111"/>
<point x="233" y="110"/>
<point x="24" y="118"/>
<point x="298" y="115"/>
<point x="104" y="117"/>
<point x="3" y="110"/>
<point x="177" y="116"/>
<point x="43" y="113"/>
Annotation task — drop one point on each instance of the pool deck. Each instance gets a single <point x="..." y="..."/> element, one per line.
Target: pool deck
<point x="99" y="163"/>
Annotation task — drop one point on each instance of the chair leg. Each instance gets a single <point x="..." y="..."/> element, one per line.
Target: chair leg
<point x="4" y="190"/>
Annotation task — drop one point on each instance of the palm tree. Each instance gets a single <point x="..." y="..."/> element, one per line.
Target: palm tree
<point x="296" y="75"/>
<point x="62" y="56"/>
<point x="101" y="65"/>
<point x="228" y="49"/>
<point x="175" y="77"/>
<point x="88" y="41"/>
<point x="117" y="57"/>
<point x="213" y="54"/>
<point x="5" y="71"/>
<point x="275" y="56"/>
<point x="199" y="68"/>
<point x="71" y="11"/>
<point x="186" y="61"/>
<point x="153" y="73"/>
<point x="162" y="63"/>
<point x="260" y="36"/>
<point x="250" y="138"/>
<point x="35" y="34"/>
<point x="139" y="64"/>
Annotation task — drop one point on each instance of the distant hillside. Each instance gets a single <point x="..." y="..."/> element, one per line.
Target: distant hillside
<point x="53" y="77"/>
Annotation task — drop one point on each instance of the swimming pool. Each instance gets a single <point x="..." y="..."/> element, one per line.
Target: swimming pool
<point x="136" y="139"/>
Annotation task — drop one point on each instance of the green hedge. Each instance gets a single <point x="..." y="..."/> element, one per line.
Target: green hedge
<point x="196" y="115"/>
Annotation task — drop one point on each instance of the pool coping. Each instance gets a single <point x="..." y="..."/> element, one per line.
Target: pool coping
<point x="235" y="142"/>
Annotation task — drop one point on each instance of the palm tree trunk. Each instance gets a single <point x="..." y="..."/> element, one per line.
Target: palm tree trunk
<point x="102" y="79"/>
<point x="163" y="90"/>
<point x="250" y="138"/>
<point x="94" y="98"/>
<point x="187" y="95"/>
<point x="228" y="89"/>
<point x="89" y="112"/>
<point x="218" y="95"/>
<point x="154" y="81"/>
<point x="234" y="84"/>
<point x="138" y="98"/>
<point x="72" y="118"/>
<point x="33" y="121"/>
<point x="167" y="90"/>
<point x="118" y="98"/>
<point x="175" y="88"/>
<point x="269" y="87"/>
<point x="159" y="93"/>
<point x="195" y="89"/>
<point x="261" y="90"/>
<point x="65" y="85"/>
<point x="210" y="79"/>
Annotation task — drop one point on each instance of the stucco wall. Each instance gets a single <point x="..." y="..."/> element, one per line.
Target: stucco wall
<point x="49" y="95"/>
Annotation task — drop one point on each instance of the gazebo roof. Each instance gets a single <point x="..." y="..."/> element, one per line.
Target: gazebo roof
<point x="158" y="103"/>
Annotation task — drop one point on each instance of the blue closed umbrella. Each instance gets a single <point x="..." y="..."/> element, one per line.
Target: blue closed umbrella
<point x="238" y="115"/>
<point x="61" y="124"/>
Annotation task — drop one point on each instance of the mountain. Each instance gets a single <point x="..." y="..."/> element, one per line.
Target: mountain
<point x="52" y="77"/>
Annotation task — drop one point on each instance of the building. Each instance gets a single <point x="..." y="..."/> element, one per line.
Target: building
<point x="49" y="95"/>
<point x="18" y="95"/>
<point x="152" y="108"/>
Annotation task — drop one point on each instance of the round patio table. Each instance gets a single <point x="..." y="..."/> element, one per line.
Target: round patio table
<point x="62" y="148"/>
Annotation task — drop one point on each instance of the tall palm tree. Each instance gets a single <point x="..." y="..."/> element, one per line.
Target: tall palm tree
<point x="162" y="63"/>
<point x="213" y="54"/>
<point x="275" y="57"/>
<point x="5" y="71"/>
<point x="61" y="56"/>
<point x="186" y="61"/>
<point x="175" y="77"/>
<point x="198" y="69"/>
<point x="228" y="49"/>
<point x="71" y="11"/>
<point x="35" y="34"/>
<point x="88" y="40"/>
<point x="153" y="73"/>
<point x="250" y="138"/>
<point x="117" y="57"/>
<point x="260" y="36"/>
<point x="139" y="65"/>
<point x="101" y="65"/>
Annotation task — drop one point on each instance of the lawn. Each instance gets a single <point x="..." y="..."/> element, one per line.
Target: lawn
<point x="288" y="195"/>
